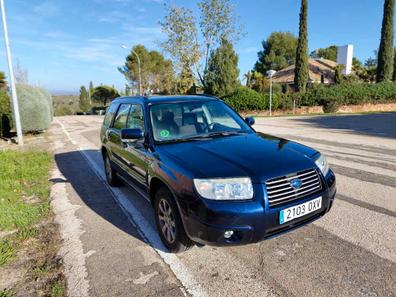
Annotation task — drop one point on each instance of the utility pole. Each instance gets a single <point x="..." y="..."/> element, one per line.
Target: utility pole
<point x="12" y="78"/>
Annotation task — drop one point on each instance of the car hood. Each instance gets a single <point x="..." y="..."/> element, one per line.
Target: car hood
<point x="259" y="156"/>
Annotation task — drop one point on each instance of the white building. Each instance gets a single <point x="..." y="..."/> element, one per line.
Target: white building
<point x="344" y="57"/>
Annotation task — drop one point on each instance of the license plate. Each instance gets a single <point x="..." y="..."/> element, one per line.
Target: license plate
<point x="300" y="210"/>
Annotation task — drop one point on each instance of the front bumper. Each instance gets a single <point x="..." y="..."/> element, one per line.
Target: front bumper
<point x="205" y="221"/>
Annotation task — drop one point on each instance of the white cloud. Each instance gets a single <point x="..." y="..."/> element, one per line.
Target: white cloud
<point x="47" y="8"/>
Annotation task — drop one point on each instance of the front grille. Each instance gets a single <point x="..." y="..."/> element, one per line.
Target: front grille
<point x="279" y="189"/>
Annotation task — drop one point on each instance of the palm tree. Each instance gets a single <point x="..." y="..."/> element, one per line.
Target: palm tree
<point x="3" y="82"/>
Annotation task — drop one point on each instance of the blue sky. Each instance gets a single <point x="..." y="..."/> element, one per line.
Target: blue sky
<point x="66" y="43"/>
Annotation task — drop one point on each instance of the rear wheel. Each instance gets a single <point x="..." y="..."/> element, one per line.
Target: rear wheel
<point x="169" y="224"/>
<point x="111" y="175"/>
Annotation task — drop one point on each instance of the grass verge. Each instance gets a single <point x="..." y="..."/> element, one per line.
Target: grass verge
<point x="29" y="239"/>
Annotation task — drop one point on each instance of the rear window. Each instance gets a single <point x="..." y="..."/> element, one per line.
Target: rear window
<point x="110" y="115"/>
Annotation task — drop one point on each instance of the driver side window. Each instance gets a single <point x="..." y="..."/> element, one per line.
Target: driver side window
<point x="135" y="118"/>
<point x="121" y="117"/>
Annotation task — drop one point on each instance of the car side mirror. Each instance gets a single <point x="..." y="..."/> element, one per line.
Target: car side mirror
<point x="131" y="134"/>
<point x="250" y="121"/>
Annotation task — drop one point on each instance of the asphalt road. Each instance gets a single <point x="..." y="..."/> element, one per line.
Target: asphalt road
<point x="349" y="252"/>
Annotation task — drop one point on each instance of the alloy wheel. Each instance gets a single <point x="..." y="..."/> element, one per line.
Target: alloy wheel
<point x="167" y="221"/>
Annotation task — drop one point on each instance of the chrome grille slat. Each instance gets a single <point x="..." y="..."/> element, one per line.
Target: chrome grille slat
<point x="279" y="189"/>
<point x="277" y="180"/>
<point x="291" y="190"/>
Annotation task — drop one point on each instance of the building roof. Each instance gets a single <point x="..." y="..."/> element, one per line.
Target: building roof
<point x="317" y="68"/>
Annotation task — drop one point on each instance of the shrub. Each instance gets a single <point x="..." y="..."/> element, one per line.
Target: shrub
<point x="63" y="111"/>
<point x="330" y="106"/>
<point x="34" y="108"/>
<point x="5" y="114"/>
<point x="48" y="97"/>
<point x="245" y="98"/>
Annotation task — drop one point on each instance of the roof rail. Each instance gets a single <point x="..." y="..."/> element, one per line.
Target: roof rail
<point x="203" y="94"/>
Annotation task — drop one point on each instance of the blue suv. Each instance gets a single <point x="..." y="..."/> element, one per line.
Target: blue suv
<point x="211" y="178"/>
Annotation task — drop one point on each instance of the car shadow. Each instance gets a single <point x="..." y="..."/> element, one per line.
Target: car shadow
<point x="94" y="193"/>
<point x="379" y="125"/>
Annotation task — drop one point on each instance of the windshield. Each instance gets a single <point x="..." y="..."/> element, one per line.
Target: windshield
<point x="197" y="119"/>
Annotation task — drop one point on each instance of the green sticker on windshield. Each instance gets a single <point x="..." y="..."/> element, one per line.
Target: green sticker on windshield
<point x="164" y="133"/>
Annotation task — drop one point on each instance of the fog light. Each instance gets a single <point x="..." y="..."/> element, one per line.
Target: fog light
<point x="228" y="234"/>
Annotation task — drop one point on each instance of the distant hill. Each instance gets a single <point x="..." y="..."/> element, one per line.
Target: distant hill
<point x="63" y="93"/>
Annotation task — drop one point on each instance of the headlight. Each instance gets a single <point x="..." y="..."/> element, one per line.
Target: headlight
<point x="321" y="162"/>
<point x="225" y="188"/>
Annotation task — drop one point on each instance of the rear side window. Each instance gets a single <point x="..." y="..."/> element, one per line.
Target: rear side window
<point x="110" y="115"/>
<point x="121" y="117"/>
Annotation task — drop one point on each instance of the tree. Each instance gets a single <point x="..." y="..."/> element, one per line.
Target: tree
<point x="156" y="72"/>
<point x="217" y="22"/>
<point x="182" y="42"/>
<point x="103" y="94"/>
<point x="385" y="52"/>
<point x="3" y="82"/>
<point x="301" y="71"/>
<point x="394" y="65"/>
<point x="259" y="82"/>
<point x="329" y="53"/>
<point x="84" y="99"/>
<point x="221" y="77"/>
<point x="21" y="75"/>
<point x="279" y="51"/>
<point x="338" y="74"/>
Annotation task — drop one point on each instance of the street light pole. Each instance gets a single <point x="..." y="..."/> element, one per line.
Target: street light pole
<point x="14" y="96"/>
<point x="139" y="68"/>
<point x="270" y="73"/>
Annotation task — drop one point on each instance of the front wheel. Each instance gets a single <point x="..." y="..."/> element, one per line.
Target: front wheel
<point x="169" y="224"/>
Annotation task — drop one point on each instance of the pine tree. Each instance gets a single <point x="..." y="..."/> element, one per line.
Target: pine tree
<point x="385" y="52"/>
<point x="301" y="72"/>
<point x="221" y="77"/>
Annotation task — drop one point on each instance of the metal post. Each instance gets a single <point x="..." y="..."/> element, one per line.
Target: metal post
<point x="140" y="74"/>
<point x="12" y="79"/>
<point x="270" y="103"/>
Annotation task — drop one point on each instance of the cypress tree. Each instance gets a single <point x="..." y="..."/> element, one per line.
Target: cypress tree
<point x="394" y="65"/>
<point x="385" y="52"/>
<point x="301" y="71"/>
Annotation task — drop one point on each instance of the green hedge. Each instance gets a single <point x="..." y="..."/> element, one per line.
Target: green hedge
<point x="351" y="94"/>
<point x="331" y="97"/>
<point x="35" y="108"/>
<point x="245" y="98"/>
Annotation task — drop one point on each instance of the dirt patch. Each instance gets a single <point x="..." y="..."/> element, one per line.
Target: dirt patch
<point x="36" y="269"/>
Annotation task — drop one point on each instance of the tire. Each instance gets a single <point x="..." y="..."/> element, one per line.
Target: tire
<point x="111" y="175"/>
<point x="169" y="224"/>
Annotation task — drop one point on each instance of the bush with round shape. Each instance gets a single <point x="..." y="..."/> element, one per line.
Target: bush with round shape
<point x="245" y="98"/>
<point x="34" y="109"/>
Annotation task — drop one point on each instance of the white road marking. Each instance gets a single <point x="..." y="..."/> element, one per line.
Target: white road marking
<point x="143" y="227"/>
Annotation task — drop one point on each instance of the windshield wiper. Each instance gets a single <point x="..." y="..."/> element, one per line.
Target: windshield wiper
<point x="203" y="136"/>
<point x="225" y="133"/>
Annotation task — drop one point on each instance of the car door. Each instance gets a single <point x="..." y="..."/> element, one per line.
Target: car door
<point x="114" y="136"/>
<point x="136" y="152"/>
